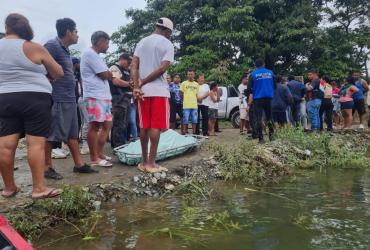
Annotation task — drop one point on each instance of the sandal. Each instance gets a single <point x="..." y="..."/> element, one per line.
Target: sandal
<point x="162" y="169"/>
<point x="153" y="170"/>
<point x="106" y="157"/>
<point x="102" y="163"/>
<point x="12" y="194"/>
<point x="51" y="194"/>
<point x="141" y="167"/>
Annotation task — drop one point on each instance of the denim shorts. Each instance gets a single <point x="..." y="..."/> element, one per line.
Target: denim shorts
<point x="186" y="115"/>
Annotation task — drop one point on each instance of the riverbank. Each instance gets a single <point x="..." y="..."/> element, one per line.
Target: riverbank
<point x="228" y="156"/>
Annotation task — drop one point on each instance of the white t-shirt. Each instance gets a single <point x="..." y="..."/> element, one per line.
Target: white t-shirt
<point x="152" y="50"/>
<point x="203" y="89"/>
<point x="243" y="101"/>
<point x="93" y="86"/>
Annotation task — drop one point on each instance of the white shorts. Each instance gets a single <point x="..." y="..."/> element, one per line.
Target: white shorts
<point x="244" y="115"/>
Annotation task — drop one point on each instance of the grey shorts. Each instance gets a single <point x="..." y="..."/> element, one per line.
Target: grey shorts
<point x="212" y="114"/>
<point x="64" y="122"/>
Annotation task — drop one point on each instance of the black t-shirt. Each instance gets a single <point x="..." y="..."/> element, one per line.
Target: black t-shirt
<point x="316" y="93"/>
<point x="115" y="90"/>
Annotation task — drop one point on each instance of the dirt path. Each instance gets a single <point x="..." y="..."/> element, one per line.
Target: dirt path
<point x="118" y="172"/>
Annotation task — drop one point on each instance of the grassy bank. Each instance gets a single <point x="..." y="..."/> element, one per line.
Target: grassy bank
<point x="244" y="161"/>
<point x="256" y="164"/>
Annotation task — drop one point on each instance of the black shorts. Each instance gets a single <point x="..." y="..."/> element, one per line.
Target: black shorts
<point x="347" y="105"/>
<point x="359" y="105"/>
<point x="25" y="113"/>
<point x="279" y="117"/>
<point x="175" y="108"/>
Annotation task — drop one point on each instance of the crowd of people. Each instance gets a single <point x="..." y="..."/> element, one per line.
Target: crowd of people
<point x="288" y="101"/>
<point x="52" y="98"/>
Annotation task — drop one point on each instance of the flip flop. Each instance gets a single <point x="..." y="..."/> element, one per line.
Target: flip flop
<point x="141" y="168"/>
<point x="153" y="170"/>
<point x="107" y="158"/>
<point x="102" y="163"/>
<point x="53" y="193"/>
<point x="162" y="169"/>
<point x="11" y="195"/>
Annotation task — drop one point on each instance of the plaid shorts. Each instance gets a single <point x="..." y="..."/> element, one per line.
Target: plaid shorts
<point x="98" y="110"/>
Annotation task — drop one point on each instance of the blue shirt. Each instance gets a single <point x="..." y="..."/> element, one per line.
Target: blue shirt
<point x="262" y="83"/>
<point x="360" y="94"/>
<point x="282" y="98"/>
<point x="175" y="92"/>
<point x="297" y="89"/>
<point x="64" y="87"/>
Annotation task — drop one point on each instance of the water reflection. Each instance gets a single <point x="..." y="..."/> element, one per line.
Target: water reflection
<point x="322" y="210"/>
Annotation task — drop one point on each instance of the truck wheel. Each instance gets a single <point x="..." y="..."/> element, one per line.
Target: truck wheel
<point x="235" y="119"/>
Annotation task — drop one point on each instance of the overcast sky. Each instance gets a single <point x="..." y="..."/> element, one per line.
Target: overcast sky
<point x="90" y="16"/>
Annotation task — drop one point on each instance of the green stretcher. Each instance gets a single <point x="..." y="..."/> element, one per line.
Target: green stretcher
<point x="170" y="144"/>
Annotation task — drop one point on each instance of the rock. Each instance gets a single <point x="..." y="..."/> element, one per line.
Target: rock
<point x="213" y="162"/>
<point x="113" y="200"/>
<point x="147" y="192"/>
<point x="176" y="179"/>
<point x="163" y="175"/>
<point x="307" y="152"/>
<point x="169" y="187"/>
<point x="136" y="178"/>
<point x="155" y="195"/>
<point x="154" y="180"/>
<point x="97" y="205"/>
<point x="143" y="185"/>
<point x="157" y="175"/>
<point x="131" y="242"/>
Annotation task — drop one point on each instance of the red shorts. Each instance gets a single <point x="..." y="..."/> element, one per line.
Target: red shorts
<point x="154" y="112"/>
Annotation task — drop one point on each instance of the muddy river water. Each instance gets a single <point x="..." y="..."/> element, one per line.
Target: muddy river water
<point x="314" y="210"/>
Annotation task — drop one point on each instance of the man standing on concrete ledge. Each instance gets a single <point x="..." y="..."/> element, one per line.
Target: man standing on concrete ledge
<point x="153" y="55"/>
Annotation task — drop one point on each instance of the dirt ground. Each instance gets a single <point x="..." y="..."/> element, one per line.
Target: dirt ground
<point x="119" y="171"/>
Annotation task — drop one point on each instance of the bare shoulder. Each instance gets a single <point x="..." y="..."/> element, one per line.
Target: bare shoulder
<point x="34" y="47"/>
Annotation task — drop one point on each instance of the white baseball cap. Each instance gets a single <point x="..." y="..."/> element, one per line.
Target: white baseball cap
<point x="165" y="22"/>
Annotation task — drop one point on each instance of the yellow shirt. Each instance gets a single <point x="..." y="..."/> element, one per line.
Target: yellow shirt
<point x="190" y="90"/>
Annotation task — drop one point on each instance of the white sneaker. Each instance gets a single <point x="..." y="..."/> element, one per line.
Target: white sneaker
<point x="65" y="150"/>
<point x="361" y="126"/>
<point x="84" y="150"/>
<point x="58" y="153"/>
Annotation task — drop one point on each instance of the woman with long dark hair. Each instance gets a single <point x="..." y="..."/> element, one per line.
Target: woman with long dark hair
<point x="25" y="103"/>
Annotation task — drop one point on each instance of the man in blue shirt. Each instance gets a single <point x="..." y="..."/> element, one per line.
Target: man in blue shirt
<point x="64" y="124"/>
<point x="262" y="86"/>
<point x="175" y="101"/>
<point x="359" y="97"/>
<point x="280" y="103"/>
<point x="297" y="90"/>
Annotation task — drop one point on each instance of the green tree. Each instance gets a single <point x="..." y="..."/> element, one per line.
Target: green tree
<point x="221" y="38"/>
<point x="343" y="43"/>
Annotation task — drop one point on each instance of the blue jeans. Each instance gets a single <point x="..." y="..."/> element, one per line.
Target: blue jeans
<point x="132" y="121"/>
<point x="187" y="113"/>
<point x="313" y="108"/>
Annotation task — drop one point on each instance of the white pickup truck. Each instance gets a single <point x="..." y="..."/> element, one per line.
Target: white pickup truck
<point x="229" y="105"/>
